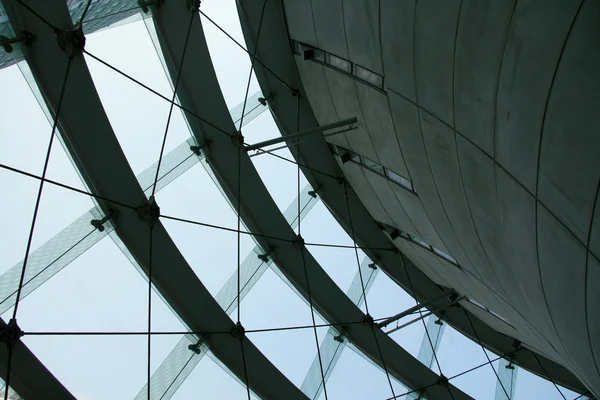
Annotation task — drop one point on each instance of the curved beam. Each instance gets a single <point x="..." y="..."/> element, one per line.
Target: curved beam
<point x="93" y="146"/>
<point x="200" y="93"/>
<point x="276" y="53"/>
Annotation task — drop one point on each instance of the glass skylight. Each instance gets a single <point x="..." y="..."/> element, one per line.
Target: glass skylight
<point x="104" y="291"/>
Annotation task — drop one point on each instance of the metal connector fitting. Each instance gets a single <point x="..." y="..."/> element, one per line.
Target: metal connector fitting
<point x="10" y="334"/>
<point x="368" y="320"/>
<point x="238" y="140"/>
<point x="443" y="380"/>
<point x="72" y="41"/>
<point x="150" y="212"/>
<point x="193" y="5"/>
<point x="238" y="331"/>
<point x="299" y="242"/>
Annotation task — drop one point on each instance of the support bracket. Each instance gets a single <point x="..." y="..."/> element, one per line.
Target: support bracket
<point x="265" y="257"/>
<point x="25" y="37"/>
<point x="99" y="223"/>
<point x="195" y="347"/>
<point x="314" y="193"/>
<point x="340" y="337"/>
<point x="201" y="150"/>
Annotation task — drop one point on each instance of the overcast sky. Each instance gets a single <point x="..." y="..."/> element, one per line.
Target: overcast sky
<point x="103" y="291"/>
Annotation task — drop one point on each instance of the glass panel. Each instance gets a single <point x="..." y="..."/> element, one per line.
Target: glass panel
<point x="339" y="263"/>
<point x="12" y="395"/>
<point x="420" y="242"/>
<point x="16" y="209"/>
<point x="231" y="63"/>
<point x="259" y="310"/>
<point x="356" y="378"/>
<point x="102" y="14"/>
<point x="366" y="75"/>
<point x="456" y="354"/>
<point x="372" y="165"/>
<point x="340" y="63"/>
<point x="387" y="299"/>
<point x="530" y="386"/>
<point x="477" y="304"/>
<point x="212" y="253"/>
<point x="209" y="380"/>
<point x="394" y="177"/>
<point x="90" y="296"/>
<point x="138" y="117"/>
<point x="444" y="255"/>
<point x="20" y="112"/>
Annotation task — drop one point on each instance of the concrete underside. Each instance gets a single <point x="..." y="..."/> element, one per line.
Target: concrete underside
<point x="490" y="108"/>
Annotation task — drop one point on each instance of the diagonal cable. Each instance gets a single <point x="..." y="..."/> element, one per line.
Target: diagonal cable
<point x="85" y="11"/>
<point x="547" y="375"/>
<point x="68" y="187"/>
<point x="423" y="388"/>
<point x="176" y="86"/>
<point x="252" y="60"/>
<point x="183" y="220"/>
<point x="302" y="248"/>
<point x="148" y="88"/>
<point x="484" y="352"/>
<point x="39" y="195"/>
<point x="151" y="221"/>
<point x="149" y="341"/>
<point x="240" y="145"/>
<point x="38" y="16"/>
<point x="51" y="263"/>
<point x="246" y="50"/>
<point x="270" y="152"/>
<point x="362" y="283"/>
<point x="36" y="209"/>
<point x="413" y="293"/>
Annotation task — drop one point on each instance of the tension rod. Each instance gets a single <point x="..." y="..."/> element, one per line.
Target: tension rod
<point x="427" y="314"/>
<point x="406" y="312"/>
<point x="298" y="135"/>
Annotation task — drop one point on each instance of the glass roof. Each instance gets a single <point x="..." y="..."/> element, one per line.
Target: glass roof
<point x="99" y="290"/>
